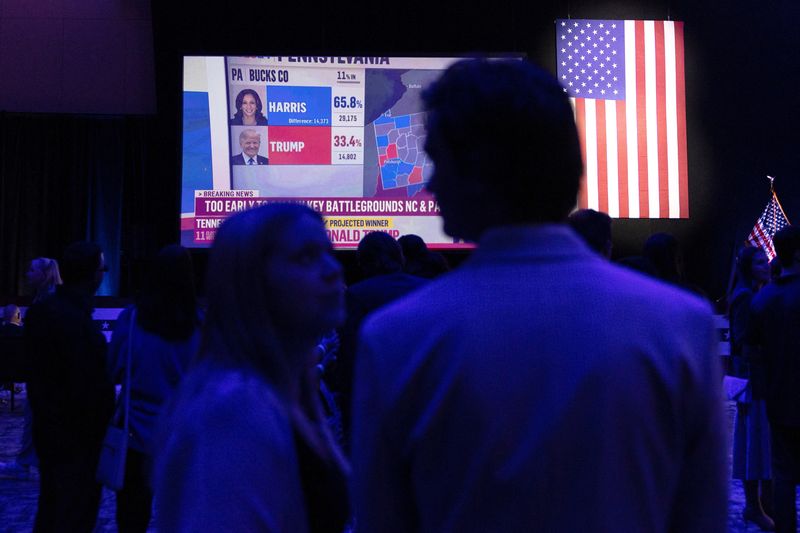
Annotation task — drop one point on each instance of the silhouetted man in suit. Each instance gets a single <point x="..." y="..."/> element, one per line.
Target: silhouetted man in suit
<point x="537" y="387"/>
<point x="773" y="337"/>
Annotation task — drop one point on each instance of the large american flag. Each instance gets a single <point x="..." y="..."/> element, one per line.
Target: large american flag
<point x="772" y="220"/>
<point x="625" y="80"/>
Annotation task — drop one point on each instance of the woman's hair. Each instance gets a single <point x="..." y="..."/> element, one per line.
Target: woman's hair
<point x="744" y="265"/>
<point x="50" y="276"/>
<point x="240" y="327"/>
<point x="240" y="99"/>
<point x="167" y="305"/>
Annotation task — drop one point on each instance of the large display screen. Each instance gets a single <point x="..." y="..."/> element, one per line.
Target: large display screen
<point x="344" y="135"/>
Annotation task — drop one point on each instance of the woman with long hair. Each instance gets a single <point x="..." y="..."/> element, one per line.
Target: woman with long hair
<point x="42" y="277"/>
<point x="751" y="445"/>
<point x="246" y="442"/>
<point x="162" y="331"/>
<point x="249" y="109"/>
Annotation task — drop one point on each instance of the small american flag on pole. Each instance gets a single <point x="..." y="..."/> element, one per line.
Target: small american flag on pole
<point x="625" y="79"/>
<point x="772" y="220"/>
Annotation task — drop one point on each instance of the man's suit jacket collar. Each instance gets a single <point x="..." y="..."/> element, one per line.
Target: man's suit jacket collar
<point x="539" y="241"/>
<point x="242" y="159"/>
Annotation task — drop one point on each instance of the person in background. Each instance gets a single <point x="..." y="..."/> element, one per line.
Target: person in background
<point x="594" y="227"/>
<point x="420" y="261"/>
<point x="245" y="444"/>
<point x="163" y="340"/>
<point x="772" y="340"/>
<point x="249" y="110"/>
<point x="70" y="393"/>
<point x="41" y="280"/>
<point x="751" y="450"/>
<point x="663" y="252"/>
<point x="661" y="249"/>
<point x="775" y="268"/>
<point x="11" y="328"/>
<point x="12" y="321"/>
<point x="381" y="260"/>
<point x="538" y="387"/>
<point x="638" y="263"/>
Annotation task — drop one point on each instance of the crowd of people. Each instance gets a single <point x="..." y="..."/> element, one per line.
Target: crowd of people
<point x="539" y="386"/>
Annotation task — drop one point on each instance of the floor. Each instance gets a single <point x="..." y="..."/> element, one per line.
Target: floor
<point x="18" y="498"/>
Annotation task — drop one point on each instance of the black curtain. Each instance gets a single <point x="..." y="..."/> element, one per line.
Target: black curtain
<point x="74" y="177"/>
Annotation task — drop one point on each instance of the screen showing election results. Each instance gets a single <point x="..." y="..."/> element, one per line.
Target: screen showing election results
<point x="344" y="135"/>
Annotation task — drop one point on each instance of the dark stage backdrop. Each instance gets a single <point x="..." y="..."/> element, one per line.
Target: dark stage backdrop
<point x="114" y="179"/>
<point x="80" y="177"/>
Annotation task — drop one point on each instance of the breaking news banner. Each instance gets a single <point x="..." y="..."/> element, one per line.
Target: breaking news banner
<point x="347" y="220"/>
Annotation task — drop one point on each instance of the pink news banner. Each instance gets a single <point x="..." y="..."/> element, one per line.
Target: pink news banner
<point x="347" y="220"/>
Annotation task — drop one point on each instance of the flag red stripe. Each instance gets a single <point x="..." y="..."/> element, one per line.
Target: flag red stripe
<point x="641" y="120"/>
<point x="622" y="159"/>
<point x="755" y="238"/>
<point x="661" y="121"/>
<point x="766" y="242"/>
<point x="580" y="122"/>
<point x="602" y="158"/>
<point x="683" y="173"/>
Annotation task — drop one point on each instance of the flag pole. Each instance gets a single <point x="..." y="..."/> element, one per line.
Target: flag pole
<point x="779" y="203"/>
<point x="782" y="211"/>
<point x="732" y="276"/>
<point x="772" y="192"/>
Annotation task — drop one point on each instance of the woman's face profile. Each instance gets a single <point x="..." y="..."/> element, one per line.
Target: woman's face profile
<point x="306" y="289"/>
<point x="248" y="105"/>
